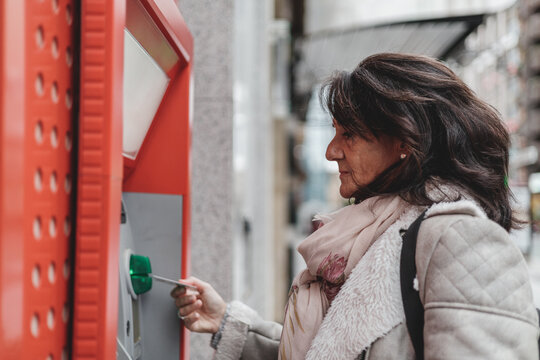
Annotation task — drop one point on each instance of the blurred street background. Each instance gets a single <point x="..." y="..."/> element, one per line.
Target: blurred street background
<point x="259" y="134"/>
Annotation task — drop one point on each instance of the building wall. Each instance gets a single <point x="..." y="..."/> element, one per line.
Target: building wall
<point x="211" y="23"/>
<point x="253" y="155"/>
<point x="491" y="62"/>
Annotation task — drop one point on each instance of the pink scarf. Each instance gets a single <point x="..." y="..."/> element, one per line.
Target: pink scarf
<point x="331" y="253"/>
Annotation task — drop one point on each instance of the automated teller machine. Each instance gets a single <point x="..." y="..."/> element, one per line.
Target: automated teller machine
<point x="155" y="192"/>
<point x="147" y="322"/>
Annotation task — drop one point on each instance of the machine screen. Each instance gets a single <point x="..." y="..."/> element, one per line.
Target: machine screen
<point x="145" y="84"/>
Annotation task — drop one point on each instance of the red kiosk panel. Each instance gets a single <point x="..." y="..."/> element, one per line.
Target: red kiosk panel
<point x="36" y="137"/>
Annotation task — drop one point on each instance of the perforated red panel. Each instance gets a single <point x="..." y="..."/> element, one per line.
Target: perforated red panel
<point x="44" y="142"/>
<point x="48" y="175"/>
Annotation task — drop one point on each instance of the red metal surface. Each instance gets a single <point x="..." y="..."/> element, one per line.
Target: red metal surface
<point x="36" y="133"/>
<point x="36" y="139"/>
<point x="12" y="329"/>
<point x="100" y="164"/>
<point x="162" y="165"/>
<point x="99" y="180"/>
<point x="167" y="17"/>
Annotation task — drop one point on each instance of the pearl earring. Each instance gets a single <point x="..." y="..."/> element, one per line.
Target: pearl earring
<point x="403" y="156"/>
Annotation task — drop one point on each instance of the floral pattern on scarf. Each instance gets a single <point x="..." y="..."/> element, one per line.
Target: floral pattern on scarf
<point x="331" y="273"/>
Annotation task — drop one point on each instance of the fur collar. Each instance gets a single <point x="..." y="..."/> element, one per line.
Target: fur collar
<point x="369" y="304"/>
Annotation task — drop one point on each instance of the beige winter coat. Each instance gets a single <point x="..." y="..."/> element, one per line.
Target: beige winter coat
<point x="473" y="282"/>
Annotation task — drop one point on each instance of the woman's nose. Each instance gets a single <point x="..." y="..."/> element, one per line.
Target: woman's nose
<point x="332" y="151"/>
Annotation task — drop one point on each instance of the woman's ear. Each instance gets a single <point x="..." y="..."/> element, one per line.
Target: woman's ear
<point x="402" y="149"/>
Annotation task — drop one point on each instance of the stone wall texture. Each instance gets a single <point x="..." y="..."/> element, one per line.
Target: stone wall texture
<point x="211" y="23"/>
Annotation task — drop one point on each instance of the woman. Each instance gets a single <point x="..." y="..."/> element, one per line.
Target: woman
<point x="410" y="136"/>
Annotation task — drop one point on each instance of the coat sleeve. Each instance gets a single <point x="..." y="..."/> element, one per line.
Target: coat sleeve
<point x="246" y="336"/>
<point x="476" y="291"/>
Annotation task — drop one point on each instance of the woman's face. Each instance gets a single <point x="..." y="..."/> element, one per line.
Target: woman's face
<point x="359" y="160"/>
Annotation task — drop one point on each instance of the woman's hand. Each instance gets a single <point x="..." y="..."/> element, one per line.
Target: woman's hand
<point x="203" y="309"/>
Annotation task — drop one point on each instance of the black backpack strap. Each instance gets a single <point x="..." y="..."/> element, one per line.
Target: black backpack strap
<point x="414" y="310"/>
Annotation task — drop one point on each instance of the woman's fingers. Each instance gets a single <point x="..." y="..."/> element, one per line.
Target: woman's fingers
<point x="190" y="320"/>
<point x="177" y="291"/>
<point x="199" y="284"/>
<point x="200" y="309"/>
<point x="181" y="291"/>
<point x="187" y="309"/>
<point x="185" y="300"/>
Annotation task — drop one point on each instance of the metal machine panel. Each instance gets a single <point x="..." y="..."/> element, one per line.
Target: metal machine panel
<point x="155" y="222"/>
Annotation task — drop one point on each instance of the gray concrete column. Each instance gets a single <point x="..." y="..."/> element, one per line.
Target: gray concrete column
<point x="211" y="23"/>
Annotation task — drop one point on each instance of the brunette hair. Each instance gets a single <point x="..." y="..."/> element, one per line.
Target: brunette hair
<point x="450" y="135"/>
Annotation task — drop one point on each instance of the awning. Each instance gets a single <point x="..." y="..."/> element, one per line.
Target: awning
<point x="324" y="52"/>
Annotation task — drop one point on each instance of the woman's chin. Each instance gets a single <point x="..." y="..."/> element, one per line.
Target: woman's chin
<point x="345" y="193"/>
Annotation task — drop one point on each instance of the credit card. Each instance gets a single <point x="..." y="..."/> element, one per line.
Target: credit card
<point x="171" y="281"/>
